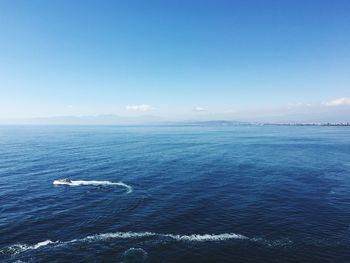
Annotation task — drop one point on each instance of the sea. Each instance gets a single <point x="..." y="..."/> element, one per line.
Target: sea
<point x="201" y="193"/>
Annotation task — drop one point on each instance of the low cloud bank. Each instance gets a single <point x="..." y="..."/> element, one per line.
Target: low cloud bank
<point x="141" y="107"/>
<point x="338" y="102"/>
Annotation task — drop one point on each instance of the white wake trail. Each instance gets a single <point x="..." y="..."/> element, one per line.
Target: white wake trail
<point x="92" y="182"/>
<point x="18" y="248"/>
<point x="192" y="238"/>
<point x="186" y="238"/>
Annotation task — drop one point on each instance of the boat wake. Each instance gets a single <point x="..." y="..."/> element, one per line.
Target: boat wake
<point x="93" y="182"/>
<point x="193" y="238"/>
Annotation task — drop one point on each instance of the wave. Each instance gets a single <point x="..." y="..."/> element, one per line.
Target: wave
<point x="92" y="182"/>
<point x="18" y="248"/>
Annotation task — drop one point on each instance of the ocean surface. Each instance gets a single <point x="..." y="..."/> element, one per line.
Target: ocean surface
<point x="174" y="194"/>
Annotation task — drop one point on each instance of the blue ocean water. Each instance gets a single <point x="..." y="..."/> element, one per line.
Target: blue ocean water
<point x="175" y="194"/>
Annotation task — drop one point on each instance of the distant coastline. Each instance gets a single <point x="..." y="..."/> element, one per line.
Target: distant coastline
<point x="110" y="120"/>
<point x="310" y="124"/>
<point x="236" y="123"/>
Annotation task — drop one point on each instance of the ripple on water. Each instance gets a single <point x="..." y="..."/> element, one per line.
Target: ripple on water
<point x="134" y="255"/>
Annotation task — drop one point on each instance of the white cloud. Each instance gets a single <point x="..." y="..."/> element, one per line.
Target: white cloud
<point x="199" y="109"/>
<point x="141" y="107"/>
<point x="298" y="105"/>
<point x="338" y="102"/>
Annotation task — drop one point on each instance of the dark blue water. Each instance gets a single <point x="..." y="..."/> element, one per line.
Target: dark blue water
<point x="198" y="194"/>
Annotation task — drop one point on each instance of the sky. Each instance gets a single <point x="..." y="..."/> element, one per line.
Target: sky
<point x="180" y="59"/>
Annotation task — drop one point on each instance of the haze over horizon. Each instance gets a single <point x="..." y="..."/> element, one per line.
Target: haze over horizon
<point x="174" y="61"/>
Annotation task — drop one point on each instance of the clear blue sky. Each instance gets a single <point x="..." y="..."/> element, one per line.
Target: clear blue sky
<point x="172" y="58"/>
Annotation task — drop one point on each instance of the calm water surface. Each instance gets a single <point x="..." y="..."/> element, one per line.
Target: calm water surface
<point x="189" y="194"/>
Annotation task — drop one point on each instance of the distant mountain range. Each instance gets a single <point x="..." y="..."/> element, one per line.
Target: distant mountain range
<point x="213" y="123"/>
